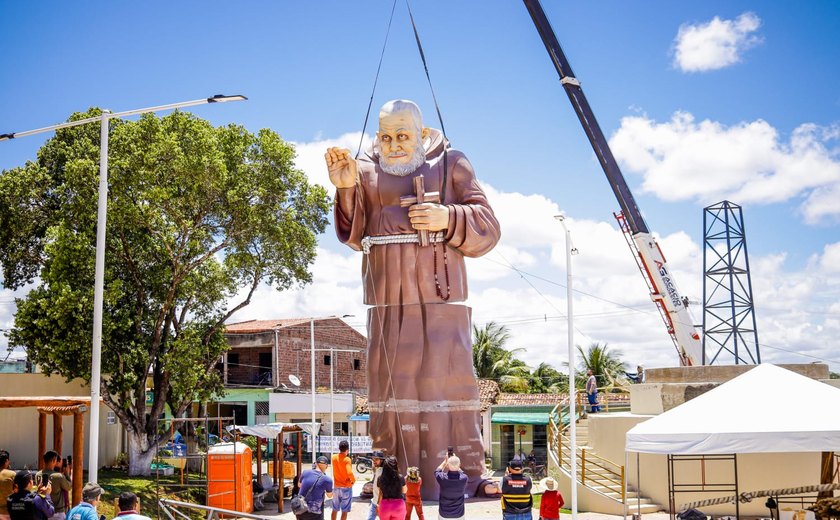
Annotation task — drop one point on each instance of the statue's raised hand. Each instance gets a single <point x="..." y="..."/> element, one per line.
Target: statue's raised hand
<point x="342" y="167"/>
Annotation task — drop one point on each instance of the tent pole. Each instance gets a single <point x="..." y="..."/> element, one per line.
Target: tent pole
<point x="638" y="487"/>
<point x="737" y="496"/>
<point x="671" y="504"/>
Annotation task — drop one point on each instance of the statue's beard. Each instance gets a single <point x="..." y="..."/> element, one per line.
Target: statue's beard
<point x="403" y="169"/>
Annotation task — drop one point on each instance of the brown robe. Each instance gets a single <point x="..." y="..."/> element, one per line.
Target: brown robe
<point x="423" y="395"/>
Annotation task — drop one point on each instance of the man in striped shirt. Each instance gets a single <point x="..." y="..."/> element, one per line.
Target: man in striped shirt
<point x="516" y="493"/>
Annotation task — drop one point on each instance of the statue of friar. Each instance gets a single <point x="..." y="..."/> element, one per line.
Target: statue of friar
<point x="423" y="395"/>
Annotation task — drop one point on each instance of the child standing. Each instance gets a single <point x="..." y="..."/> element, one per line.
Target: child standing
<point x="551" y="501"/>
<point x="412" y="494"/>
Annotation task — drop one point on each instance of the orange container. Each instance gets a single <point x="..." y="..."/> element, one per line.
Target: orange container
<point x="229" y="477"/>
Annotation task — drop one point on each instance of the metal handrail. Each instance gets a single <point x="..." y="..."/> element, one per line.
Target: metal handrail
<point x="212" y="512"/>
<point x="612" y="475"/>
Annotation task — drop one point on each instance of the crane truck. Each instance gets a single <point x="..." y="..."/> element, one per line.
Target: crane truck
<point x="648" y="256"/>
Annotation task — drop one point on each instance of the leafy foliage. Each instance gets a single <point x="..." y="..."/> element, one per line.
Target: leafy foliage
<point x="492" y="360"/>
<point x="546" y="379"/>
<point x="606" y="364"/>
<point x="197" y="216"/>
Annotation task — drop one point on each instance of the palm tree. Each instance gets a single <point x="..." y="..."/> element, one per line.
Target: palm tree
<point x="487" y="343"/>
<point x="491" y="360"/>
<point x="605" y="364"/>
<point x="546" y="379"/>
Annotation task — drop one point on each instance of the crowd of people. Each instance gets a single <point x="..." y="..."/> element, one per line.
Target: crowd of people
<point x="45" y="495"/>
<point x="396" y="496"/>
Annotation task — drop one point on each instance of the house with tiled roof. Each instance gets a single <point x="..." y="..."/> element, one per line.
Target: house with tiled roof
<point x="519" y="424"/>
<point x="268" y="371"/>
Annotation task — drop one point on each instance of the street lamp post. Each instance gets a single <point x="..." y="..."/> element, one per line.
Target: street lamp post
<point x="99" y="274"/>
<point x="332" y="351"/>
<point x="572" y="390"/>
<point x="312" y="377"/>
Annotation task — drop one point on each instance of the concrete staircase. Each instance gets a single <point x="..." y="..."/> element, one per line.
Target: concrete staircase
<point x="598" y="480"/>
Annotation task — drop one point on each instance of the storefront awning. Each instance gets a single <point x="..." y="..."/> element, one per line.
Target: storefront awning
<point x="359" y="417"/>
<point x="519" y="418"/>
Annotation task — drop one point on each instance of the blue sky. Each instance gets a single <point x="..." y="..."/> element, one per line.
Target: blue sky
<point x="701" y="100"/>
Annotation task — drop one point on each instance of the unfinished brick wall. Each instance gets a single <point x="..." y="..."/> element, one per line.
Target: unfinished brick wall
<point x="350" y="368"/>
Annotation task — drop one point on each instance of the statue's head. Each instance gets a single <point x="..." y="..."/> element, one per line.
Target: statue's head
<point x="400" y="137"/>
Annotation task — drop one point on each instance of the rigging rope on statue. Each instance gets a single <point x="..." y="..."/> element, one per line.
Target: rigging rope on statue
<point x="369" y="240"/>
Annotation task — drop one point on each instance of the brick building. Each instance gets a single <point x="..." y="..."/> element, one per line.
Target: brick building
<point x="264" y="353"/>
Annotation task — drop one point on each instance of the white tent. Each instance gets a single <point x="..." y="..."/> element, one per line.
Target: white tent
<point x="766" y="409"/>
<point x="272" y="430"/>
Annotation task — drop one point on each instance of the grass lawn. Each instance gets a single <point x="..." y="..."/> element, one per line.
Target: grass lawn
<point x="115" y="482"/>
<point x="538" y="500"/>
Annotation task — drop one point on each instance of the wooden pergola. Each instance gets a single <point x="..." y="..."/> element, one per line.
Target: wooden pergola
<point x="58" y="407"/>
<point x="277" y="465"/>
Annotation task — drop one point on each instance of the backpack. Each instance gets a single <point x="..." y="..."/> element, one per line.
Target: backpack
<point x="298" y="503"/>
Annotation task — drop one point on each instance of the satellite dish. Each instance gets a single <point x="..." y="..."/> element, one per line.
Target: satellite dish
<point x="294" y="379"/>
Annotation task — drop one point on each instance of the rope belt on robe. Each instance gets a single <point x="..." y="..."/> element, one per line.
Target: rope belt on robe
<point x="403" y="238"/>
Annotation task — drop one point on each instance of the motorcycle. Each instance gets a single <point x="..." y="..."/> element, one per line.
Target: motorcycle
<point x="363" y="464"/>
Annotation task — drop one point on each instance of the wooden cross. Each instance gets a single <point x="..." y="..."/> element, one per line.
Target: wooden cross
<point x="420" y="196"/>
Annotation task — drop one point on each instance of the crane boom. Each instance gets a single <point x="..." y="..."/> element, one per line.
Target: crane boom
<point x="649" y="256"/>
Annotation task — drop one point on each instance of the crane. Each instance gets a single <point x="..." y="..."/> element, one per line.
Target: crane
<point x="648" y="256"/>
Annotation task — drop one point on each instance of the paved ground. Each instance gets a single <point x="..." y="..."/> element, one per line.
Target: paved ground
<point x="476" y="509"/>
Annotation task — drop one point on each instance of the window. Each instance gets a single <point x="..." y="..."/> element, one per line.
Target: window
<point x="265" y="361"/>
<point x="540" y="443"/>
<point x="357" y="364"/>
<point x="233" y="359"/>
<point x="261" y="408"/>
<point x="340" y="428"/>
<point x="327" y="360"/>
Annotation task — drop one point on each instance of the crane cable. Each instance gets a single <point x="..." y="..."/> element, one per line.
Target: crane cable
<point x="376" y="79"/>
<point x="431" y="88"/>
<point x="381" y="316"/>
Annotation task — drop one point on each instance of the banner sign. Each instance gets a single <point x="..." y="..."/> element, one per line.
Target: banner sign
<point x="328" y="444"/>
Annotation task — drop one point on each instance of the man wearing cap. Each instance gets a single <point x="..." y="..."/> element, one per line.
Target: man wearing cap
<point x="377" y="457"/>
<point x="453" y="483"/>
<point x="343" y="481"/>
<point x="86" y="510"/>
<point x="516" y="493"/>
<point x="314" y="484"/>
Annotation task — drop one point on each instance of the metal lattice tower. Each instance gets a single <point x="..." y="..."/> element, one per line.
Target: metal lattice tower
<point x="728" y="311"/>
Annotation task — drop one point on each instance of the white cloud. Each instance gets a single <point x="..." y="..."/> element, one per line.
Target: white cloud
<point x="523" y="217"/>
<point x="830" y="260"/>
<point x="611" y="301"/>
<point x="310" y="156"/>
<point x="749" y="162"/>
<point x="335" y="291"/>
<point x="715" y="44"/>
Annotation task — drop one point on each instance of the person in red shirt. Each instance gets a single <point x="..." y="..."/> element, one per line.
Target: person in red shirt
<point x="551" y="501"/>
<point x="413" y="482"/>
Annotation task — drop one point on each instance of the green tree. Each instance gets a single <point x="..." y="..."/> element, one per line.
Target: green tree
<point x="198" y="216"/>
<point x="606" y="364"/>
<point x="491" y="360"/>
<point x="546" y="379"/>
